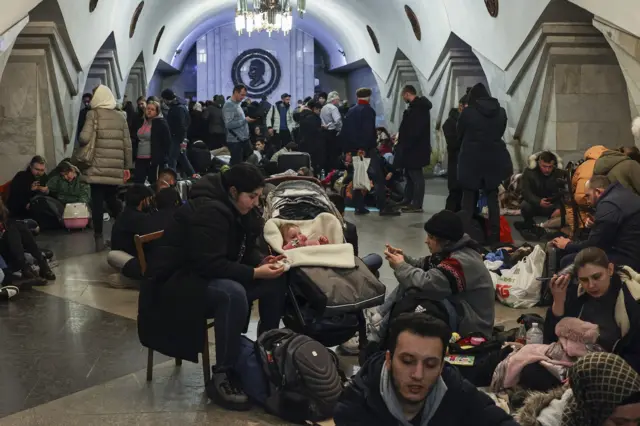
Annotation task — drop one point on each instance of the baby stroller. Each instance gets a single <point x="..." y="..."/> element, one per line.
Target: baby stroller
<point x="328" y="286"/>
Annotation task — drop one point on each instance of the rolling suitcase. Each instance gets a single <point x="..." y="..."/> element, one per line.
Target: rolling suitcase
<point x="294" y="161"/>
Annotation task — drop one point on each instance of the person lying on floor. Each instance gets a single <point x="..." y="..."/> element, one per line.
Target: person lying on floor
<point x="208" y="265"/>
<point x="144" y="214"/>
<point x="66" y="186"/>
<point x="602" y="390"/>
<point x="454" y="274"/>
<point x="15" y="241"/>
<point x="607" y="298"/>
<point x="412" y="385"/>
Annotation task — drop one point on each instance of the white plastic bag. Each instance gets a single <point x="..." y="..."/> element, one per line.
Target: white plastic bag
<point x="518" y="286"/>
<point x="360" y="175"/>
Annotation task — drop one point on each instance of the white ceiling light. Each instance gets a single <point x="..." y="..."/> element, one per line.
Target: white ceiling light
<point x="266" y="15"/>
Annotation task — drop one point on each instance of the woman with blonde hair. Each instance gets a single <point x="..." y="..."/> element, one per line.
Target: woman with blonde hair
<point x="153" y="147"/>
<point x="110" y="166"/>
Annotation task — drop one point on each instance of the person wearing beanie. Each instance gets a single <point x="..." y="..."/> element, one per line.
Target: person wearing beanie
<point x="449" y="128"/>
<point x="331" y="126"/>
<point x="454" y="274"/>
<point x="359" y="135"/>
<point x="484" y="161"/>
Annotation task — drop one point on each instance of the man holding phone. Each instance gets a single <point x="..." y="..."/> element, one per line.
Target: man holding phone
<point x="541" y="184"/>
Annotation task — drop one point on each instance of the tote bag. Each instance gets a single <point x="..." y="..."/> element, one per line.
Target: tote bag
<point x="518" y="287"/>
<point x="360" y="175"/>
<point x="83" y="156"/>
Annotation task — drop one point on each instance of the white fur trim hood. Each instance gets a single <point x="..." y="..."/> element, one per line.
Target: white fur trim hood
<point x="533" y="159"/>
<point x="635" y="128"/>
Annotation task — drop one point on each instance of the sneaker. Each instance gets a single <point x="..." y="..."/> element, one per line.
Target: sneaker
<point x="360" y="212"/>
<point x="351" y="346"/>
<point x="8" y="292"/>
<point x="119" y="281"/>
<point x="224" y="392"/>
<point x="387" y="211"/>
<point x="411" y="209"/>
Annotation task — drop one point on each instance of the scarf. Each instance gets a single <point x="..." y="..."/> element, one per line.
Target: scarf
<point x="600" y="383"/>
<point x="431" y="404"/>
<point x="103" y="98"/>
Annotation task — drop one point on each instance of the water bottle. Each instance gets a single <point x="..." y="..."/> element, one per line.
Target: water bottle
<point x="322" y="174"/>
<point x="534" y="335"/>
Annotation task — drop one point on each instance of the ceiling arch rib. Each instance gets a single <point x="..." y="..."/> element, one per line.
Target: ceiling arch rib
<point x="186" y="24"/>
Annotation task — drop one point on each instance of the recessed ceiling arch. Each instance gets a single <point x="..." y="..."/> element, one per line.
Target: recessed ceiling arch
<point x="330" y="21"/>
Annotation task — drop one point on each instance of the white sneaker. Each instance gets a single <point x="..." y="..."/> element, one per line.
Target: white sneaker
<point x="351" y="346"/>
<point x="8" y="292"/>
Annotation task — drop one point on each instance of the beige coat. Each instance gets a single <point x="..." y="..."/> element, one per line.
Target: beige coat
<point x="113" y="153"/>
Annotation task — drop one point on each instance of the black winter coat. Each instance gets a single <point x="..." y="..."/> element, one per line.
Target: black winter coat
<point x="413" y="150"/>
<point x="362" y="405"/>
<point x="536" y="186"/>
<point x="206" y="239"/>
<point x="178" y="120"/>
<point x="629" y="346"/>
<point x="616" y="227"/>
<point x="484" y="161"/>
<point x="160" y="141"/>
<point x="449" y="128"/>
<point x="359" y="129"/>
<point x="20" y="193"/>
<point x="310" y="136"/>
<point x="198" y="127"/>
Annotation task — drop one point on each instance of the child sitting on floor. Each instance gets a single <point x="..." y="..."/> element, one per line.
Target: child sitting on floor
<point x="293" y="238"/>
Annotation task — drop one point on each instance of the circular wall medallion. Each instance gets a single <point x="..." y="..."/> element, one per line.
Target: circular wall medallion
<point x="492" y="7"/>
<point x="258" y="70"/>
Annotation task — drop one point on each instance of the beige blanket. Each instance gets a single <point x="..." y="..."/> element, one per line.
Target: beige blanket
<point x="336" y="254"/>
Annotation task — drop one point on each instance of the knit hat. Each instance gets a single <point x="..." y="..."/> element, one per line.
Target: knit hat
<point x="168" y="94"/>
<point x="332" y="96"/>
<point x="363" y="93"/>
<point x="445" y="225"/>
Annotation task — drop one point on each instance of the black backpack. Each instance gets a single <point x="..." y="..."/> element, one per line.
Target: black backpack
<point x="303" y="376"/>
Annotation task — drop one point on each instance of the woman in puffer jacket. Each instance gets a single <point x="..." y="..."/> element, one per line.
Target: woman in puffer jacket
<point x="112" y="161"/>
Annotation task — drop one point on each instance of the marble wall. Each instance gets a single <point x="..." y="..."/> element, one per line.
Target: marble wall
<point x="589" y="107"/>
<point x="218" y="49"/>
<point x="18" y="117"/>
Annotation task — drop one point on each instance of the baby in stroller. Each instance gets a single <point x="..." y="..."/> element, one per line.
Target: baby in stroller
<point x="292" y="237"/>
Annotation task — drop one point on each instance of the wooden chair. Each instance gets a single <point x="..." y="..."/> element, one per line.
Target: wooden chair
<point x="140" y="241"/>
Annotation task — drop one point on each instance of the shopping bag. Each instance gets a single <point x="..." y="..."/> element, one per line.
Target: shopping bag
<point x="505" y="231"/>
<point x="360" y="175"/>
<point x="518" y="287"/>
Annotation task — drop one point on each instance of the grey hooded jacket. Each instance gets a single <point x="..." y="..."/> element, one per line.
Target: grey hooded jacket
<point x="460" y="278"/>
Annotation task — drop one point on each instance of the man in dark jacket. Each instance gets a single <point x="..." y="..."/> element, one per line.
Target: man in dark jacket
<point x="82" y="117"/>
<point x="310" y="136"/>
<point x="615" y="227"/>
<point x="484" y="161"/>
<point x="359" y="134"/>
<point x="413" y="150"/>
<point x="25" y="185"/>
<point x="217" y="136"/>
<point x="541" y="184"/>
<point x="449" y="128"/>
<point x="178" y="120"/>
<point x="208" y="265"/>
<point x="412" y="385"/>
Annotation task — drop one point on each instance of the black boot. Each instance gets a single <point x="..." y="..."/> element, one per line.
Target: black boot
<point x="223" y="391"/>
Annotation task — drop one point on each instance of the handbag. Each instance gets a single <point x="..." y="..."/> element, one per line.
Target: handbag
<point x="83" y="156"/>
<point x="360" y="175"/>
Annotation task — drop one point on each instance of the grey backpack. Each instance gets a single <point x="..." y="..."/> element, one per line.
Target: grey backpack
<point x="303" y="376"/>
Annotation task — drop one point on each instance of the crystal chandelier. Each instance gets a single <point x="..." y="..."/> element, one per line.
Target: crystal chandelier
<point x="266" y="15"/>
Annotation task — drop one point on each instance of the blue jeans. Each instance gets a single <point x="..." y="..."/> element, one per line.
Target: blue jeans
<point x="229" y="303"/>
<point x="237" y="152"/>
